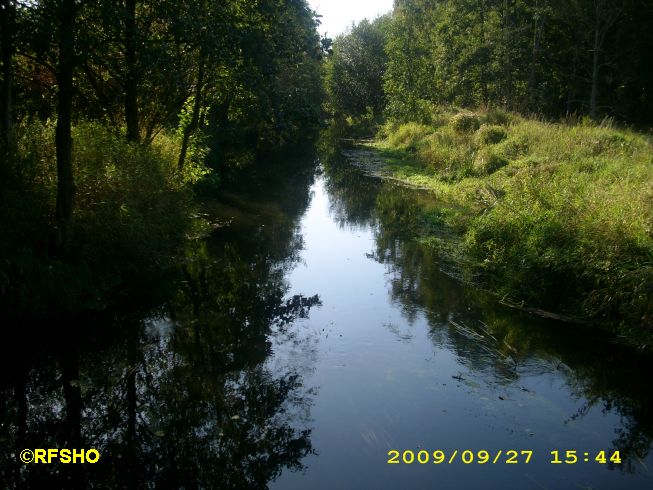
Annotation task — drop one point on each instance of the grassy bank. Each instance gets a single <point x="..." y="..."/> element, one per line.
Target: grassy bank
<point x="558" y="216"/>
<point x="132" y="211"/>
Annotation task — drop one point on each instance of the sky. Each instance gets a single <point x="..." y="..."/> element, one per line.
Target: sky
<point x="337" y="15"/>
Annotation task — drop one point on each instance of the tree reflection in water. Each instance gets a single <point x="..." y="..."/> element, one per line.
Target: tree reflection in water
<point x="498" y="346"/>
<point x="180" y="395"/>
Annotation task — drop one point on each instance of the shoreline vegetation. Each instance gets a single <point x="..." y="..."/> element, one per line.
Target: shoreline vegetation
<point x="110" y="127"/>
<point x="552" y="217"/>
<point x="115" y="119"/>
<point x="512" y="114"/>
<point x="132" y="212"/>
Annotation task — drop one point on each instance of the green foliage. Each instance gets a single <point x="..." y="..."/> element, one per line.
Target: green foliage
<point x="490" y="135"/>
<point x="132" y="210"/>
<point x="533" y="57"/>
<point x="262" y="67"/>
<point x="266" y="87"/>
<point x="234" y="78"/>
<point x="465" y="122"/>
<point x="407" y="136"/>
<point x="497" y="117"/>
<point x="558" y="216"/>
<point x="488" y="161"/>
<point x="354" y="71"/>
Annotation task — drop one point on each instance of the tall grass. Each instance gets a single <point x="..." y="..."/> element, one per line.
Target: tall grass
<point x="559" y="216"/>
<point x="131" y="212"/>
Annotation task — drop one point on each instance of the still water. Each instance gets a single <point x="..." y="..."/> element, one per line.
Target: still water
<point x="301" y="339"/>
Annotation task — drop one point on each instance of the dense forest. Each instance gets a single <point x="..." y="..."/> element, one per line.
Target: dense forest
<point x="530" y="120"/>
<point x="547" y="57"/>
<point x="114" y="113"/>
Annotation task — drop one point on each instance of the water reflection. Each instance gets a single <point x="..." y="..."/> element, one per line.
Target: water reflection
<point x="211" y="382"/>
<point x="180" y="394"/>
<point x="499" y="351"/>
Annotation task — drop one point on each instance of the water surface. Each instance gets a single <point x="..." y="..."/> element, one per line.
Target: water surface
<point x="306" y="336"/>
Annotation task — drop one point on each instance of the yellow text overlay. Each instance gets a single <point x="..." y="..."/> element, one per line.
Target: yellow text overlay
<point x="65" y="456"/>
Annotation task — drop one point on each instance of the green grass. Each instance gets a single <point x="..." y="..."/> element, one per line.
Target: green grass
<point x="132" y="211"/>
<point x="559" y="216"/>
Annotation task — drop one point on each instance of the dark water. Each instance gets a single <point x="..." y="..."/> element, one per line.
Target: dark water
<point x="302" y="340"/>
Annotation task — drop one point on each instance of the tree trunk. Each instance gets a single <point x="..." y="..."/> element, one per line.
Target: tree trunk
<point x="595" y="70"/>
<point x="131" y="76"/>
<point x="484" y="61"/>
<point x="606" y="13"/>
<point x="197" y="106"/>
<point x="7" y="39"/>
<point x="535" y="59"/>
<point x="69" y="362"/>
<point x="571" y="79"/>
<point x="507" y="63"/>
<point x="63" y="137"/>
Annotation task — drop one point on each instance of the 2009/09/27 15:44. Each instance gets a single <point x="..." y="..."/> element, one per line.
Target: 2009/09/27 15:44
<point x="482" y="457"/>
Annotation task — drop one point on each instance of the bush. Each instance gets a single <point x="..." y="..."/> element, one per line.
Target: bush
<point x="490" y="135"/>
<point x="446" y="156"/>
<point x="408" y="135"/>
<point x="131" y="213"/>
<point x="514" y="147"/>
<point x="487" y="161"/>
<point x="465" y="123"/>
<point x="497" y="117"/>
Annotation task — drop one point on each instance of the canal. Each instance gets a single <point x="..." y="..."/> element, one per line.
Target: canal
<point x="304" y="337"/>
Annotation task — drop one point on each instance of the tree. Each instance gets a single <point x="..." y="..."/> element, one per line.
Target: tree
<point x="356" y="68"/>
<point x="546" y="56"/>
<point x="603" y="14"/>
<point x="131" y="72"/>
<point x="67" y="11"/>
<point x="406" y="49"/>
<point x="7" y="29"/>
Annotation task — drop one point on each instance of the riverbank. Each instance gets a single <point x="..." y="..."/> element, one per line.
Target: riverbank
<point x="133" y="211"/>
<point x="557" y="217"/>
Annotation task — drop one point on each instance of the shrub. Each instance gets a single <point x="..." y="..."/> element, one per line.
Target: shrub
<point x="465" y="123"/>
<point x="131" y="213"/>
<point x="497" y="117"/>
<point x="408" y="135"/>
<point x="488" y="161"/>
<point x="514" y="147"/>
<point x="490" y="135"/>
<point x="387" y="128"/>
<point x="426" y="111"/>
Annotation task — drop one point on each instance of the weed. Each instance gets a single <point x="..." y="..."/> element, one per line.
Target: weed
<point x="490" y="135"/>
<point x="131" y="212"/>
<point x="465" y="122"/>
<point x="566" y="223"/>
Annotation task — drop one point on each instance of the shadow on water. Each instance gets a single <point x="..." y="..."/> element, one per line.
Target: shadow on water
<point x="496" y="346"/>
<point x="185" y="389"/>
<point x="178" y="393"/>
